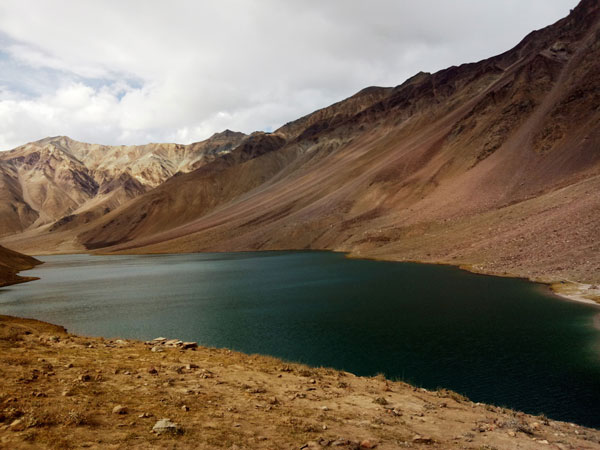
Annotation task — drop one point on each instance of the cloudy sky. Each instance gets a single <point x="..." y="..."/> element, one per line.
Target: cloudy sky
<point x="132" y="72"/>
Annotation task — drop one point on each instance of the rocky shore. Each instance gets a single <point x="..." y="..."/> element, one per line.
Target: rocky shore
<point x="59" y="390"/>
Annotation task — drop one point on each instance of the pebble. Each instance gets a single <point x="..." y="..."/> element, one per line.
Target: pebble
<point x="418" y="439"/>
<point x="17" y="425"/>
<point x="119" y="409"/>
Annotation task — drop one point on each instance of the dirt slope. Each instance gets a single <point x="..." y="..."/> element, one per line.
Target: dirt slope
<point x="63" y="391"/>
<point x="11" y="263"/>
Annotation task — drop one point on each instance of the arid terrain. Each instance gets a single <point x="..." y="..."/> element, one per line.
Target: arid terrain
<point x="11" y="263"/>
<point x="59" y="390"/>
<point x="492" y="165"/>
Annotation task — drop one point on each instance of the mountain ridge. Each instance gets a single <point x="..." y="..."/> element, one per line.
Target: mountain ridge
<point x="491" y="165"/>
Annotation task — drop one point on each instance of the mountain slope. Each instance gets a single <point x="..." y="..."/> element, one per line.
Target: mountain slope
<point x="11" y="263"/>
<point x="56" y="177"/>
<point x="492" y="164"/>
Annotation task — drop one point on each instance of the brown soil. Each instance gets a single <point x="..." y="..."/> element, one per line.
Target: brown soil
<point x="59" y="390"/>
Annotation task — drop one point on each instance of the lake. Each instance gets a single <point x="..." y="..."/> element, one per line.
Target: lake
<point x="503" y="341"/>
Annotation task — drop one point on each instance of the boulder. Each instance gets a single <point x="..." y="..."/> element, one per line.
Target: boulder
<point x="166" y="426"/>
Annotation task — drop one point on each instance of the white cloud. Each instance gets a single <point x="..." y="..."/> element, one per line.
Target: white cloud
<point x="139" y="71"/>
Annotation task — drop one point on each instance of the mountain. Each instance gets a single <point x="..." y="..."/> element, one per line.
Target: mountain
<point x="51" y="179"/>
<point x="493" y="165"/>
<point x="11" y="263"/>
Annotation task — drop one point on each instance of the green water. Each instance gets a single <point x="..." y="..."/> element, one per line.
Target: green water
<point x="497" y="340"/>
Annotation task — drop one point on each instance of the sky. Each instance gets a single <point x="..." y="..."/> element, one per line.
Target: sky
<point x="139" y="71"/>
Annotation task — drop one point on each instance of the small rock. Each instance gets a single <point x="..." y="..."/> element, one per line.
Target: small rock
<point x="84" y="377"/>
<point x="145" y="415"/>
<point x="159" y="339"/>
<point x="173" y="343"/>
<point x="157" y="349"/>
<point x="544" y="441"/>
<point x="152" y="370"/>
<point x="380" y="401"/>
<point x="324" y="408"/>
<point x="17" y="425"/>
<point x="120" y="342"/>
<point x="185" y="408"/>
<point x="367" y="444"/>
<point x="119" y="409"/>
<point x="191" y="366"/>
<point x="189" y="345"/>
<point x="418" y="439"/>
<point x="166" y="426"/>
<point x="68" y="366"/>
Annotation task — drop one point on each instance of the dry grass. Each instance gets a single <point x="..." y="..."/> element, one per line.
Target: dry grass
<point x="59" y="391"/>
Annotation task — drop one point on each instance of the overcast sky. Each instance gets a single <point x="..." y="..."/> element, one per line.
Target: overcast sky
<point x="132" y="72"/>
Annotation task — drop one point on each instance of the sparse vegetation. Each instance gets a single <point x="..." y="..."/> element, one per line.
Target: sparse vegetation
<point x="63" y="391"/>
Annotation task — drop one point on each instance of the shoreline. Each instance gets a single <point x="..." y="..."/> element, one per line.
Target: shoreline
<point x="565" y="289"/>
<point x="61" y="390"/>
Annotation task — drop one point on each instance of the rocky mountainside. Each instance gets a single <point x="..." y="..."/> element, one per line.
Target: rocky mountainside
<point x="494" y="165"/>
<point x="11" y="263"/>
<point x="48" y="180"/>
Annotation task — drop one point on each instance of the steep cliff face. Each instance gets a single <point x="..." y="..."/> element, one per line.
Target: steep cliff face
<point x="494" y="164"/>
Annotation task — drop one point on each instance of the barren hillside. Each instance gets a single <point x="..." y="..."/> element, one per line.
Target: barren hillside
<point x="11" y="263"/>
<point x="494" y="165"/>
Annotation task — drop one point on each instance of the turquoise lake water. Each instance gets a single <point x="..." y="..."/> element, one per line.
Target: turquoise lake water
<point x="503" y="341"/>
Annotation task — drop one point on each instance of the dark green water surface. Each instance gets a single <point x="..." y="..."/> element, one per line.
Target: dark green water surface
<point x="497" y="340"/>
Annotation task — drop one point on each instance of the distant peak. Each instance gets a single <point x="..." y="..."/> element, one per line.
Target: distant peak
<point x="50" y="139"/>
<point x="227" y="133"/>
